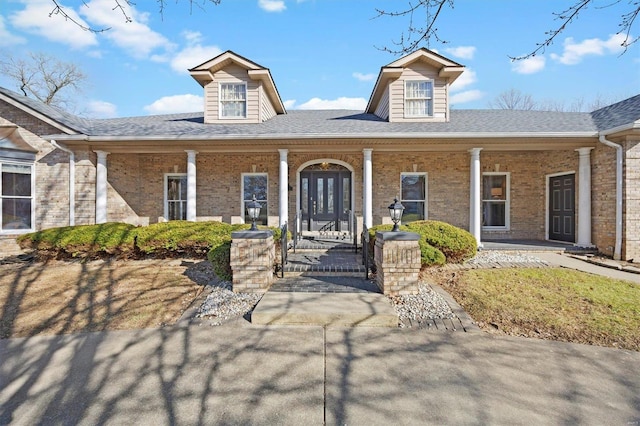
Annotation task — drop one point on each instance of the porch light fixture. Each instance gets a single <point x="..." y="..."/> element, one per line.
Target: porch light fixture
<point x="253" y="210"/>
<point x="395" y="211"/>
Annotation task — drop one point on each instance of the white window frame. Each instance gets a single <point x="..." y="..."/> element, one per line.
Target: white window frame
<point x="32" y="198"/>
<point x="166" y="192"/>
<point x="425" y="213"/>
<point x="506" y="201"/>
<point x="265" y="203"/>
<point x="221" y="101"/>
<point x="429" y="99"/>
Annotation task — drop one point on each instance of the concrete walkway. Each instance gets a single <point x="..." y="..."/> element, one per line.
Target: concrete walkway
<point x="570" y="262"/>
<point x="244" y="374"/>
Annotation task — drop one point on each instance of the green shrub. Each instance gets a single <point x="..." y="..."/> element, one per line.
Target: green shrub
<point x="220" y="258"/>
<point x="429" y="255"/>
<point x="177" y="236"/>
<point x="455" y="243"/>
<point x="82" y="241"/>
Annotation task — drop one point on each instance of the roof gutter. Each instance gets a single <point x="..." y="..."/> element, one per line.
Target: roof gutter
<point x="72" y="181"/>
<point x="617" y="251"/>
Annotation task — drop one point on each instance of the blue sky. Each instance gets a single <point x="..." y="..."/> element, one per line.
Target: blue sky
<point x="321" y="53"/>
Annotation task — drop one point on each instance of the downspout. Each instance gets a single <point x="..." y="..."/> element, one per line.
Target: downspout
<point x="72" y="181"/>
<point x="617" y="251"/>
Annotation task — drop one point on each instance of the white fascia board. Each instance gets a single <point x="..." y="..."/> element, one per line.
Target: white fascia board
<point x="290" y="136"/>
<point x="630" y="126"/>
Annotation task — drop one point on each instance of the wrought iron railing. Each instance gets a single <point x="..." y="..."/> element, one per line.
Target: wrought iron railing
<point x="353" y="229"/>
<point x="284" y="247"/>
<point x="365" y="250"/>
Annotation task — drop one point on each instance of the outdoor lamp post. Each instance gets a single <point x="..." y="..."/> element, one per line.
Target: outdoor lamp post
<point x="253" y="210"/>
<point x="395" y="211"/>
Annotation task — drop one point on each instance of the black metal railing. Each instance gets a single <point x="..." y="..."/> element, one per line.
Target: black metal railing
<point x="353" y="229"/>
<point x="365" y="250"/>
<point x="327" y="227"/>
<point x="295" y="233"/>
<point x="284" y="247"/>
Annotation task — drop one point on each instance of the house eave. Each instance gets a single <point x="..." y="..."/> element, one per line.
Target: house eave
<point x="330" y="136"/>
<point x="37" y="114"/>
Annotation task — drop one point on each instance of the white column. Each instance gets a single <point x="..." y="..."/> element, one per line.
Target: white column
<point x="283" y="198"/>
<point x="584" y="198"/>
<point x="367" y="182"/>
<point x="101" y="187"/>
<point x="475" y="200"/>
<point x="191" y="185"/>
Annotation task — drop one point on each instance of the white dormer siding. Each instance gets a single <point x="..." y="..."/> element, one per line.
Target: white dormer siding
<point x="399" y="85"/>
<point x="248" y="86"/>
<point x="418" y="71"/>
<point x="383" y="107"/>
<point x="231" y="74"/>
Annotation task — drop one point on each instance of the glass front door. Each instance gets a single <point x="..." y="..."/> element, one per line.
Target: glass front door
<point x="325" y="200"/>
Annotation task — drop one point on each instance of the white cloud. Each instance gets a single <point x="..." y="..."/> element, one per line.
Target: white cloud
<point x="530" y="65"/>
<point x="574" y="52"/>
<point x="35" y="19"/>
<point x="363" y="77"/>
<point x="467" y="78"/>
<point x="340" y="103"/>
<point x="176" y="104"/>
<point x="101" y="109"/>
<point x="6" y="38"/>
<point x="194" y="54"/>
<point x="463" y="52"/>
<point x="272" y="5"/>
<point x="135" y="37"/>
<point x="289" y="103"/>
<point x="464" y="97"/>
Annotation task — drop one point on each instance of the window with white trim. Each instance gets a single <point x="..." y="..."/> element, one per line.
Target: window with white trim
<point x="255" y="184"/>
<point x="233" y="100"/>
<point x="495" y="201"/>
<point x="16" y="191"/>
<point x="418" y="98"/>
<point x="175" y="196"/>
<point x="413" y="194"/>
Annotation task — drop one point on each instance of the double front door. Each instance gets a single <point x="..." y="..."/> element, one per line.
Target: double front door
<point x="325" y="200"/>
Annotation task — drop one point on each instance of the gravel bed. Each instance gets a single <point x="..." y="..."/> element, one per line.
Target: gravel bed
<point x="423" y="306"/>
<point x="222" y="304"/>
<point x="495" y="256"/>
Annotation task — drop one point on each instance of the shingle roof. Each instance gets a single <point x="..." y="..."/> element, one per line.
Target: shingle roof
<point x="618" y="114"/>
<point x="79" y="124"/>
<point x="348" y="124"/>
<point x="333" y="123"/>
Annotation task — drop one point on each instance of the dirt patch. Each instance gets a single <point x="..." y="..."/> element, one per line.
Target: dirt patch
<point x="59" y="297"/>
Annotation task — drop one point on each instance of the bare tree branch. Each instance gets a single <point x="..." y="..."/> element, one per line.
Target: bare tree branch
<point x="414" y="36"/>
<point x="122" y="7"/>
<point x="45" y="78"/>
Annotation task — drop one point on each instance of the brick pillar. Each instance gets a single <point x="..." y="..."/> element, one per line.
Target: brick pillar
<point x="252" y="259"/>
<point x="397" y="258"/>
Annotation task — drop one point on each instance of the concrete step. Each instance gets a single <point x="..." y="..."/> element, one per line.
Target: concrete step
<point x="325" y="309"/>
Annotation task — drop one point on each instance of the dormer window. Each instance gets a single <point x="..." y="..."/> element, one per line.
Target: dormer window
<point x="233" y="100"/>
<point x="418" y="98"/>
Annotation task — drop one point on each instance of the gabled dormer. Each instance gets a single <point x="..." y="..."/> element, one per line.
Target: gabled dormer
<point x="414" y="88"/>
<point x="237" y="90"/>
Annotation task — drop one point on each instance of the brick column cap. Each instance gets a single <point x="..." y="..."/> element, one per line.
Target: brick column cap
<point x="397" y="236"/>
<point x="251" y="235"/>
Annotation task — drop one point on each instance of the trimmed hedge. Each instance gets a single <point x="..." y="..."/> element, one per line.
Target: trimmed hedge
<point x="439" y="242"/>
<point x="455" y="243"/>
<point x="91" y="241"/>
<point x="159" y="240"/>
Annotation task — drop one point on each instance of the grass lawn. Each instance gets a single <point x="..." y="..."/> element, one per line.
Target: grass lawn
<point x="550" y="303"/>
<point x="60" y="297"/>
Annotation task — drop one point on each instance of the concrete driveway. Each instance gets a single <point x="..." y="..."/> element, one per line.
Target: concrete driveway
<point x="244" y="374"/>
